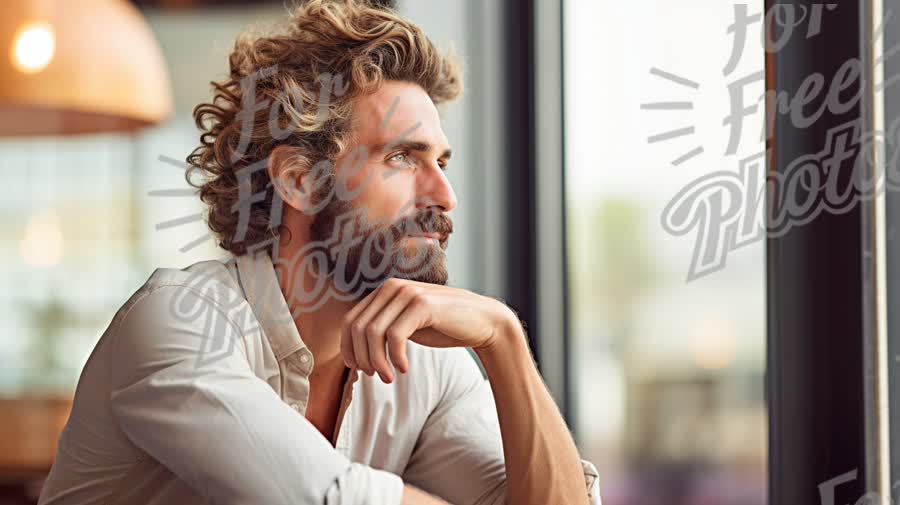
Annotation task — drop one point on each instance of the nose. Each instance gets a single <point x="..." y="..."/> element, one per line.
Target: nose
<point x="436" y="189"/>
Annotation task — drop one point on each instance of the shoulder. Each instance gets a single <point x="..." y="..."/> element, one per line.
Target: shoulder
<point x="179" y="314"/>
<point x="201" y="276"/>
<point x="180" y="292"/>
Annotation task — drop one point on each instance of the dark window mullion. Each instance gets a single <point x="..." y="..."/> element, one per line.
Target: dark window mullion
<point x="815" y="380"/>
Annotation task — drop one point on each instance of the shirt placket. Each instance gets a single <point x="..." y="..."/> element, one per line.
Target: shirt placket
<point x="295" y="370"/>
<point x="341" y="437"/>
<point x="295" y="361"/>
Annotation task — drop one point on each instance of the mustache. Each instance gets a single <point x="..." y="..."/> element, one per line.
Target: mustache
<point x="427" y="221"/>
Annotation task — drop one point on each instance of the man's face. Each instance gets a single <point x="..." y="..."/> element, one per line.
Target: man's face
<point x="395" y="170"/>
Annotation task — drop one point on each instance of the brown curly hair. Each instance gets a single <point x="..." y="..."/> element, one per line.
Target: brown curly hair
<point x="348" y="44"/>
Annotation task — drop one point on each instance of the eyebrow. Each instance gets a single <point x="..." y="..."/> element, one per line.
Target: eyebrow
<point x="411" y="145"/>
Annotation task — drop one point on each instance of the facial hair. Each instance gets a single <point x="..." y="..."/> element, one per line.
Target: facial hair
<point x="407" y="258"/>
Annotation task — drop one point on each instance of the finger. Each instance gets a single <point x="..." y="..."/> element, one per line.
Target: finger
<point x="360" y="348"/>
<point x="413" y="317"/>
<point x="396" y="344"/>
<point x="363" y="334"/>
<point x="378" y="356"/>
<point x="384" y="319"/>
<point x="373" y="319"/>
<point x="377" y="335"/>
<point x="347" y="347"/>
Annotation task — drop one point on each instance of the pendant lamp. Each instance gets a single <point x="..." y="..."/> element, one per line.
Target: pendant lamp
<point x="79" y="66"/>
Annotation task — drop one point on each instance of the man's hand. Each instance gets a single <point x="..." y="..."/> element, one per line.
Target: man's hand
<point x="428" y="314"/>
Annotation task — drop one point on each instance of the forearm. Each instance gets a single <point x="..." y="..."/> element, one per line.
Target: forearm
<point x="542" y="462"/>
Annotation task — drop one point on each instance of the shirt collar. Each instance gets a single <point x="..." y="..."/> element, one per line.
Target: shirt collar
<point x="256" y="273"/>
<point x="263" y="292"/>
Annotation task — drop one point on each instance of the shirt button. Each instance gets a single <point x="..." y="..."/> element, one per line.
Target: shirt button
<point x="304" y="358"/>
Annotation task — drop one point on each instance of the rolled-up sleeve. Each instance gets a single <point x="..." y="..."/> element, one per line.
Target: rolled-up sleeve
<point x="219" y="427"/>
<point x="459" y="454"/>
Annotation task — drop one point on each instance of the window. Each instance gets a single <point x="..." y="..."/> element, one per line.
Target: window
<point x="667" y="352"/>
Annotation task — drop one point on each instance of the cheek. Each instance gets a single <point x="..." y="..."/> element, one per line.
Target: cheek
<point x="387" y="198"/>
<point x="353" y="179"/>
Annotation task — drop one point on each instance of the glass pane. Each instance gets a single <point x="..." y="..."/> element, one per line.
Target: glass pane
<point x="668" y="350"/>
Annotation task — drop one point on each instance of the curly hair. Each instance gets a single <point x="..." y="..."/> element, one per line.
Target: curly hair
<point x="348" y="45"/>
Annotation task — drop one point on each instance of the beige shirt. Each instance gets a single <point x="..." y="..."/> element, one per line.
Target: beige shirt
<point x="196" y="393"/>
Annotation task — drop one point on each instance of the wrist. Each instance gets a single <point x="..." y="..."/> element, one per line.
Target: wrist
<point x="507" y="333"/>
<point x="507" y="357"/>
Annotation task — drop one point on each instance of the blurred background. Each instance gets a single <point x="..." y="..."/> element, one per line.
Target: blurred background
<point x="660" y="379"/>
<point x="668" y="373"/>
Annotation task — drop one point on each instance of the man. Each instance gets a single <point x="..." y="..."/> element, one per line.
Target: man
<point x="253" y="380"/>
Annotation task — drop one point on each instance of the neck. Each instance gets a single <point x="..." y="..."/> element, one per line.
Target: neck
<point x="320" y="329"/>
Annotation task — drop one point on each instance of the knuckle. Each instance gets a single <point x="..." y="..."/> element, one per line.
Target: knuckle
<point x="393" y="336"/>
<point x="412" y="293"/>
<point x="377" y="328"/>
<point x="419" y="299"/>
<point x="371" y="331"/>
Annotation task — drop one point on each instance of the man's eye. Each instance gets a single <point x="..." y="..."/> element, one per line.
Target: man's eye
<point x="398" y="157"/>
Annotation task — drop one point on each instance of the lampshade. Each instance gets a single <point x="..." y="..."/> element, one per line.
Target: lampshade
<point x="83" y="66"/>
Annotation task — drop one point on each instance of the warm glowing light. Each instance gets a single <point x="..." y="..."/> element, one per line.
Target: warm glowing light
<point x="42" y="246"/>
<point x="33" y="47"/>
<point x="713" y="343"/>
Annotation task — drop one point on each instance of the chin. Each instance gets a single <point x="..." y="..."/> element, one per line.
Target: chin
<point x="433" y="270"/>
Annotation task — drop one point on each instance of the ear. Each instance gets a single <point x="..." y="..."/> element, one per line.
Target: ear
<point x="297" y="183"/>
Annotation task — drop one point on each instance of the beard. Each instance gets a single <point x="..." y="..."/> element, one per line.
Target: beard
<point x="363" y="254"/>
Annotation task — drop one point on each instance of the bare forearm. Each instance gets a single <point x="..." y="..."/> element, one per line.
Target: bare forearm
<point x="542" y="462"/>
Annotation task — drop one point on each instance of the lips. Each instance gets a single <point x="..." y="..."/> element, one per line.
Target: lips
<point x="426" y="224"/>
<point x="434" y="235"/>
